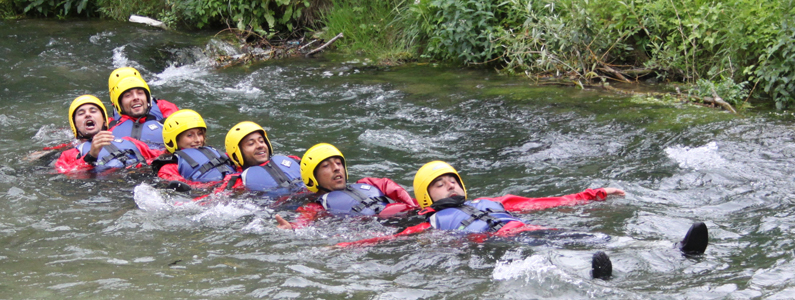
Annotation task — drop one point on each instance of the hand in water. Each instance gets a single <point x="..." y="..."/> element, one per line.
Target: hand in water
<point x="614" y="191"/>
<point x="283" y="224"/>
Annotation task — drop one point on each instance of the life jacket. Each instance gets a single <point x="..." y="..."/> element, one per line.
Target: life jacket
<point x="280" y="176"/>
<point x="475" y="216"/>
<point x="119" y="154"/>
<point x="355" y="199"/>
<point x="203" y="164"/>
<point x="149" y="132"/>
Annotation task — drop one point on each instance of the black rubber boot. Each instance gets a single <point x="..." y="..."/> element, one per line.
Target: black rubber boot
<point x="696" y="240"/>
<point x="179" y="186"/>
<point x="601" y="267"/>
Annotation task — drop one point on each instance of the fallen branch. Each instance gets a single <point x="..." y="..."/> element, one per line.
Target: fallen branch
<point x="324" y="45"/>
<point x="307" y="45"/>
<point x="718" y="100"/>
<point x="615" y="72"/>
<point x="637" y="72"/>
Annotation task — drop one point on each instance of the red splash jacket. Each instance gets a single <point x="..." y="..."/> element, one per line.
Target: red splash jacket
<point x="511" y="203"/>
<point x="70" y="160"/>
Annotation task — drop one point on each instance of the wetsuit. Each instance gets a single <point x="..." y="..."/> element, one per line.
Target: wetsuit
<point x="73" y="161"/>
<point x="488" y="223"/>
<point x="149" y="128"/>
<point x="200" y="168"/>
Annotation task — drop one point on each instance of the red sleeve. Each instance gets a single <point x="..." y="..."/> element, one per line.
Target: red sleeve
<point x="170" y="172"/>
<point x="70" y="161"/>
<point x="148" y="153"/>
<point x="296" y="158"/>
<point x="308" y="213"/>
<point x="411" y="230"/>
<point x="514" y="203"/>
<point x="391" y="189"/>
<point x="167" y="108"/>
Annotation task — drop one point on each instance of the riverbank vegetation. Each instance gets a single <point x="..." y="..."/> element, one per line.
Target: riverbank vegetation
<point x="734" y="48"/>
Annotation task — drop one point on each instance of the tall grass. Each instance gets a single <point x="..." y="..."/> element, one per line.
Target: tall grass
<point x="371" y="28"/>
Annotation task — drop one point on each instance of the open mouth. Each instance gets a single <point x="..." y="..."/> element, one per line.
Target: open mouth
<point x="89" y="124"/>
<point x="337" y="177"/>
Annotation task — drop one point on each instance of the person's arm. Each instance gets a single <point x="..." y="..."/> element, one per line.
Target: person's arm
<point x="148" y="153"/>
<point x="391" y="189"/>
<point x="308" y="213"/>
<point x="410" y="230"/>
<point x="170" y="172"/>
<point x="515" y="203"/>
<point x="70" y="161"/>
<point x="167" y="108"/>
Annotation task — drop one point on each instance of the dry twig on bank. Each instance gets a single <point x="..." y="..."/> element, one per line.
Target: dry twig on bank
<point x="324" y="45"/>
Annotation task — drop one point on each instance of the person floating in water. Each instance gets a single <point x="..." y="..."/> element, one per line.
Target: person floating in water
<point x="189" y="159"/>
<point x="257" y="168"/>
<point x="324" y="172"/>
<point x="98" y="150"/>
<point x="136" y="113"/>
<point x="441" y="193"/>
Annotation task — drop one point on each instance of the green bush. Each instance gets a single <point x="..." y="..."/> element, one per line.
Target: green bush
<point x="121" y="10"/>
<point x="265" y="18"/>
<point x="776" y="72"/>
<point x="461" y="30"/>
<point x="371" y="27"/>
<point x="726" y="88"/>
<point x="60" y="8"/>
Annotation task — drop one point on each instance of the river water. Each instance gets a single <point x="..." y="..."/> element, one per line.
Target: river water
<point x="121" y="236"/>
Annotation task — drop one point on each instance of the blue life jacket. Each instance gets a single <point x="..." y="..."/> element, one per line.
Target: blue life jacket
<point x="280" y="176"/>
<point x="149" y="132"/>
<point x="355" y="199"/>
<point x="119" y="154"/>
<point x="473" y="216"/>
<point x="203" y="164"/>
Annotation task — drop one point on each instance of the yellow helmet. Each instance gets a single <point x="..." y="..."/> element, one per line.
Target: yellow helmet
<point x="426" y="174"/>
<point x="236" y="134"/>
<point x="126" y="84"/>
<point x="119" y="74"/>
<point x="178" y="122"/>
<point x="79" y="101"/>
<point x="313" y="157"/>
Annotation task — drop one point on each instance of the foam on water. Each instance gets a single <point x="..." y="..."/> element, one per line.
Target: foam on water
<point x="211" y="211"/>
<point x="52" y="133"/>
<point x="533" y="268"/>
<point x="697" y="158"/>
<point x="120" y="60"/>
<point x="175" y="74"/>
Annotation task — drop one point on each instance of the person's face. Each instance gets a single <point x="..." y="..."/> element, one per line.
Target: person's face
<point x="254" y="149"/>
<point x="134" y="103"/>
<point x="88" y="120"/>
<point x="191" y="138"/>
<point x="330" y="174"/>
<point x="445" y="186"/>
